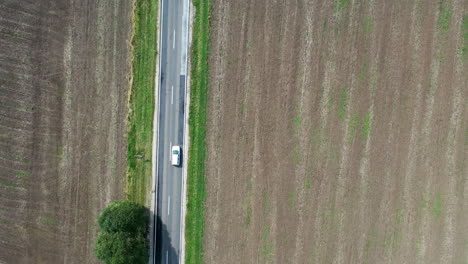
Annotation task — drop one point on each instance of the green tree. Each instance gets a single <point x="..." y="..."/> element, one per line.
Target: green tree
<point x="121" y="248"/>
<point x="124" y="216"/>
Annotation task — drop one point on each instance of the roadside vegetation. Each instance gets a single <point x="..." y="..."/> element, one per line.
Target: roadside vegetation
<point x="196" y="192"/>
<point x="122" y="239"/>
<point x="140" y="119"/>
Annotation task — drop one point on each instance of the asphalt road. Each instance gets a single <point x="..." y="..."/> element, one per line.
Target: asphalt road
<point x="173" y="69"/>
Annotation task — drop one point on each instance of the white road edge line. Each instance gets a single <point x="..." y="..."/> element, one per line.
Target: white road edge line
<point x="172" y="95"/>
<point x="167" y="256"/>
<point x="173" y="41"/>
<point x="169" y="206"/>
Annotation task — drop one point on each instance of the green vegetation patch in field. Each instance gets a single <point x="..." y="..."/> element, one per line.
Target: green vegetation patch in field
<point x="22" y="174"/>
<point x="49" y="221"/>
<point x="366" y="126"/>
<point x="367" y="24"/>
<point x="140" y="135"/>
<point x="443" y="20"/>
<point x="343" y="103"/>
<point x="297" y="155"/>
<point x="292" y="199"/>
<point x="9" y="184"/>
<point x="196" y="192"/>
<point x="465" y="35"/>
<point x="266" y="247"/>
<point x="353" y="125"/>
<point x="363" y="74"/>
<point x="308" y="182"/>
<point x="297" y="122"/>
<point x="248" y="215"/>
<point x="342" y="4"/>
<point x="436" y="206"/>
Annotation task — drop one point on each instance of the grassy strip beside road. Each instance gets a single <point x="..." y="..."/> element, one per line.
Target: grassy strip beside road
<point x="140" y="121"/>
<point x="195" y="222"/>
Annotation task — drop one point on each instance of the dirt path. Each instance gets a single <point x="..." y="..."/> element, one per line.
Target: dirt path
<point x="337" y="132"/>
<point x="63" y="95"/>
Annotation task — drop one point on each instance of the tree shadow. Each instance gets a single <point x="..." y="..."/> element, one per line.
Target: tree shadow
<point x="161" y="250"/>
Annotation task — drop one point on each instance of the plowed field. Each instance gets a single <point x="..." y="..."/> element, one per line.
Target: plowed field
<point x="64" y="76"/>
<point x="337" y="132"/>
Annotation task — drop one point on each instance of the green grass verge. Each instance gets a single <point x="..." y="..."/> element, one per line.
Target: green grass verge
<point x="196" y="192"/>
<point x="140" y="119"/>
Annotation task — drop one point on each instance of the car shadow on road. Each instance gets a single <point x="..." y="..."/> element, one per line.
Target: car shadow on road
<point x="164" y="253"/>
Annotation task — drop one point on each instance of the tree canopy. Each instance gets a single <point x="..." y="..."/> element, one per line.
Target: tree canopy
<point x="121" y="248"/>
<point x="123" y="216"/>
<point x="122" y="238"/>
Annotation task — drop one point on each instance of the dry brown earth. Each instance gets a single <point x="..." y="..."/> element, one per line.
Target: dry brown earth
<point x="337" y="132"/>
<point x="63" y="94"/>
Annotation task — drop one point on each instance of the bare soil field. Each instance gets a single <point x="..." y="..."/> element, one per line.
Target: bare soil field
<point x="337" y="132"/>
<point x="64" y="77"/>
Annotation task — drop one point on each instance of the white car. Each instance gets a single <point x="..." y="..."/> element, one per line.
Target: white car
<point x="175" y="155"/>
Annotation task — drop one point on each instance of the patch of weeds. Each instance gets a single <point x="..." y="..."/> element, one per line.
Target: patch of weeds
<point x="366" y="126"/>
<point x="418" y="246"/>
<point x="353" y="125"/>
<point x="393" y="240"/>
<point x="266" y="248"/>
<point x="342" y="4"/>
<point x="292" y="198"/>
<point x="422" y="205"/>
<point x="367" y="24"/>
<point x="316" y="138"/>
<point x="443" y="20"/>
<point x="328" y="213"/>
<point x="399" y="216"/>
<point x="26" y="108"/>
<point x="465" y="35"/>
<point x="59" y="151"/>
<point x="332" y="153"/>
<point x="313" y="254"/>
<point x="11" y="36"/>
<point x="248" y="215"/>
<point x="266" y="202"/>
<point x="342" y="103"/>
<point x="369" y="244"/>
<point x="308" y="183"/>
<point x="61" y="90"/>
<point x="242" y="108"/>
<point x="49" y="221"/>
<point x="466" y="137"/>
<point x="249" y="188"/>
<point x="436" y="206"/>
<point x="23" y="160"/>
<point x="325" y="24"/>
<point x="373" y="80"/>
<point x="297" y="122"/>
<point x="297" y="156"/>
<point x="331" y="102"/>
<point x="22" y="174"/>
<point x="363" y="74"/>
<point x="9" y="184"/>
